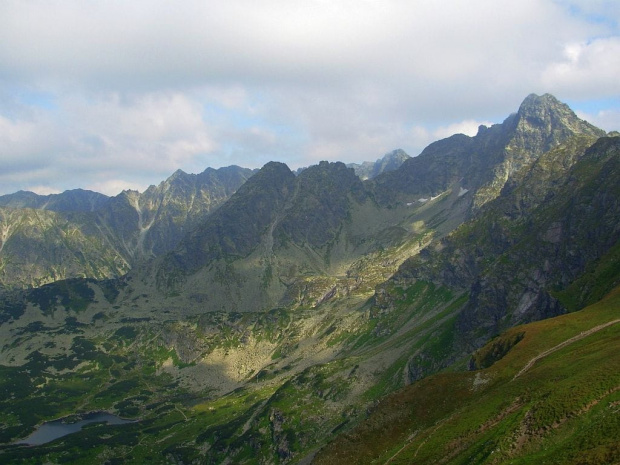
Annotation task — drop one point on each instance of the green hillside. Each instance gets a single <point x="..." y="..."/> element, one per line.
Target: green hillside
<point x="554" y="397"/>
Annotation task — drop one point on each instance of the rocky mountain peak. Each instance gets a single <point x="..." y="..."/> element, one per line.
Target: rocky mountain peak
<point x="321" y="203"/>
<point x="327" y="170"/>
<point x="543" y="122"/>
<point x="328" y="181"/>
<point x="178" y="175"/>
<point x="275" y="178"/>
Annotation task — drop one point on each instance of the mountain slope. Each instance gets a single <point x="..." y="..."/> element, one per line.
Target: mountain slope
<point x="552" y="398"/>
<point x="41" y="246"/>
<point x="326" y="219"/>
<point x="234" y="231"/>
<point x="84" y="234"/>
<point x="167" y="211"/>
<point x="514" y="259"/>
<point x="276" y="234"/>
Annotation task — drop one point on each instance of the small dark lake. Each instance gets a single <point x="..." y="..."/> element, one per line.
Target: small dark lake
<point x="51" y="430"/>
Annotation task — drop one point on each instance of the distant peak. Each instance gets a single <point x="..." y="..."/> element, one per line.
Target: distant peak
<point x="275" y="166"/>
<point x="397" y="153"/>
<point x="177" y="174"/>
<point x="272" y="171"/>
<point x="330" y="164"/>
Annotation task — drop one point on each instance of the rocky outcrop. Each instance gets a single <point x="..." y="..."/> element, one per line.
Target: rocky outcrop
<point x="541" y="124"/>
<point x="237" y="229"/>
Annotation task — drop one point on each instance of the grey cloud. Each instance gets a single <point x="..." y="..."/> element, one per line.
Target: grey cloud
<point x="142" y="44"/>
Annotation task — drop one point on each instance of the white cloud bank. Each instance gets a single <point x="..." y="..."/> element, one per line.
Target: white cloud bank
<point x="108" y="95"/>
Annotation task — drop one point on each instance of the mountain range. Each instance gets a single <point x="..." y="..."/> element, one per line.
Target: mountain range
<point x="85" y="234"/>
<point x="96" y="236"/>
<point x="269" y="316"/>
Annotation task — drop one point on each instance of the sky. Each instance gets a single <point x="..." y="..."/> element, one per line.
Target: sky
<point x="112" y="95"/>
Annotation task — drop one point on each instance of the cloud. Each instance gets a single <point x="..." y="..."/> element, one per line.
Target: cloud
<point x="25" y="142"/>
<point x="425" y="136"/>
<point x="106" y="136"/>
<point x="109" y="187"/>
<point x="120" y="93"/>
<point x="154" y="131"/>
<point x="588" y="68"/>
<point x="156" y="44"/>
<point x="468" y="127"/>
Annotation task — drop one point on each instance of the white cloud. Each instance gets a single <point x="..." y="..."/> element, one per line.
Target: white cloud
<point x="44" y="189"/>
<point x="156" y="43"/>
<point x="153" y="132"/>
<point x="423" y="136"/>
<point x="468" y="127"/>
<point x="588" y="68"/>
<point x="146" y="137"/>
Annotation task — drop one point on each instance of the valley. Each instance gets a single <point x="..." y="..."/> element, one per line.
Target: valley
<point x="318" y="317"/>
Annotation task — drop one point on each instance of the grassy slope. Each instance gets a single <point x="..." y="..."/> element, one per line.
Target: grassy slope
<point x="564" y="409"/>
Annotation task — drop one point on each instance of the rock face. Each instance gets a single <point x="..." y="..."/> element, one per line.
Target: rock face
<point x="114" y="234"/>
<point x="163" y="214"/>
<point x="513" y="180"/>
<point x="320" y="204"/>
<point x="541" y="124"/>
<point x="41" y="246"/>
<point x="484" y="163"/>
<point x="276" y="228"/>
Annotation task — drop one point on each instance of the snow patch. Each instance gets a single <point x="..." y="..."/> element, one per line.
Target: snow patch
<point x="462" y="192"/>
<point x="422" y="200"/>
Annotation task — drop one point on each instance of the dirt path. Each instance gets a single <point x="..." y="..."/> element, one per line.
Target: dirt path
<point x="564" y="344"/>
<point x="409" y="439"/>
<point x="523" y="370"/>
